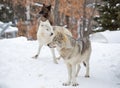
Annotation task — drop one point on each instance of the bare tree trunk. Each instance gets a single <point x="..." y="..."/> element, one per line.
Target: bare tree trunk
<point x="56" y="13"/>
<point x="82" y="31"/>
<point x="28" y="17"/>
<point x="62" y="19"/>
<point x="67" y="21"/>
<point x="28" y="12"/>
<point x="89" y="26"/>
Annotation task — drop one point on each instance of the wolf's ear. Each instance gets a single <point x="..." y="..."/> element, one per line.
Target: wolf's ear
<point x="49" y="7"/>
<point x="43" y="5"/>
<point x="41" y="21"/>
<point x="47" y="21"/>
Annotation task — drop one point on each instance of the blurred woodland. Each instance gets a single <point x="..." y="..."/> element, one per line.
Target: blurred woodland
<point x="76" y="14"/>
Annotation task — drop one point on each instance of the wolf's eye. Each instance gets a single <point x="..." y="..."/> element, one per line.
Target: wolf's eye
<point x="47" y="29"/>
<point x="58" y="42"/>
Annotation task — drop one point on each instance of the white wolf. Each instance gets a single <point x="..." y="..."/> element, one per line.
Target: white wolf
<point x="45" y="35"/>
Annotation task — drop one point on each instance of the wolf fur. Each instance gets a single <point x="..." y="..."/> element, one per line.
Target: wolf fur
<point x="73" y="54"/>
<point x="45" y="21"/>
<point x="46" y="13"/>
<point x="45" y="35"/>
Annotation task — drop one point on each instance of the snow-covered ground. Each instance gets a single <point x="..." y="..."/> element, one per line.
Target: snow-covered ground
<point x="9" y="29"/>
<point x="19" y="70"/>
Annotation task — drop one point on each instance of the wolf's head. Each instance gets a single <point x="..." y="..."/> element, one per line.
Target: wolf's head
<point x="45" y="11"/>
<point x="59" y="40"/>
<point x="45" y="29"/>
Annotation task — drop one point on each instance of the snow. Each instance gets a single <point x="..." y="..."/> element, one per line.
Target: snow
<point x="106" y="37"/>
<point x="19" y="70"/>
<point x="98" y="37"/>
<point x="1" y="5"/>
<point x="113" y="21"/>
<point x="118" y="4"/>
<point x="9" y="29"/>
<point x="38" y="4"/>
<point x="112" y="37"/>
<point x="1" y="22"/>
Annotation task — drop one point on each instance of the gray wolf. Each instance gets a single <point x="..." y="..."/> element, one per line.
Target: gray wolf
<point x="45" y="35"/>
<point x="74" y="53"/>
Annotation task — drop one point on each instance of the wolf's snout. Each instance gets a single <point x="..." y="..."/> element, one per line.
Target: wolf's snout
<point x="51" y="34"/>
<point x="48" y="45"/>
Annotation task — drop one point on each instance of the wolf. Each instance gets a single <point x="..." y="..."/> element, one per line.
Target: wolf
<point x="46" y="13"/>
<point x="74" y="53"/>
<point x="45" y="30"/>
<point x="45" y="35"/>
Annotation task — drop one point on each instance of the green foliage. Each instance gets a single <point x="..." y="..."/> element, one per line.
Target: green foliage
<point x="6" y="13"/>
<point x="9" y="11"/>
<point x="109" y="18"/>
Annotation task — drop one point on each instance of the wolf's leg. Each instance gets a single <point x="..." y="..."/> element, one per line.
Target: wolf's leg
<point x="87" y="68"/>
<point x="53" y="54"/>
<point x="73" y="81"/>
<point x="69" y="68"/>
<point x="78" y="69"/>
<point x="58" y="58"/>
<point x="39" y="48"/>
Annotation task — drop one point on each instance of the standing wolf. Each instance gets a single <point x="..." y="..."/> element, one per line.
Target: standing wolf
<point x="74" y="53"/>
<point x="46" y="32"/>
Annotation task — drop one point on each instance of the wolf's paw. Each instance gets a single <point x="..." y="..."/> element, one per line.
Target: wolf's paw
<point x="66" y="84"/>
<point x="75" y="84"/>
<point x="58" y="58"/>
<point x="87" y="76"/>
<point x="35" y="57"/>
<point x="55" y="61"/>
